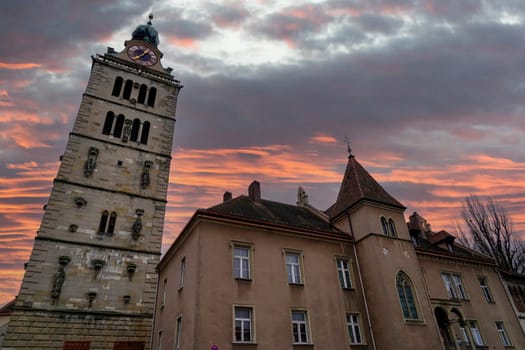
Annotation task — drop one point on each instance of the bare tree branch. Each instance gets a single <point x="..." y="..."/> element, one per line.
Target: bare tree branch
<point x="489" y="231"/>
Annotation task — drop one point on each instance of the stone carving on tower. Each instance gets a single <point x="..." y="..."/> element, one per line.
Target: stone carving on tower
<point x="90" y="282"/>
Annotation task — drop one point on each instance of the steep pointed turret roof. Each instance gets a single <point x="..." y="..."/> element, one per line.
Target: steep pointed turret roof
<point x="358" y="185"/>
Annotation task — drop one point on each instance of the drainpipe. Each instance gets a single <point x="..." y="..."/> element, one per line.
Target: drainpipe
<point x="361" y="282"/>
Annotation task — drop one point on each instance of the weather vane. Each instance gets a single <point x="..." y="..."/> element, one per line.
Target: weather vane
<point x="347" y="140"/>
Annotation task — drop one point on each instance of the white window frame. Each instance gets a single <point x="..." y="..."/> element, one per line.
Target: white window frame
<point x="476" y="334"/>
<point x="465" y="336"/>
<point x="243" y="261"/>
<point x="164" y="288"/>
<point x="181" y="272"/>
<point x="454" y="285"/>
<point x="343" y="273"/>
<point x="243" y="322"/>
<point x="354" y="328"/>
<point x="505" y="340"/>
<point x="300" y="327"/>
<point x="484" y="284"/>
<point x="293" y="268"/>
<point x="178" y="333"/>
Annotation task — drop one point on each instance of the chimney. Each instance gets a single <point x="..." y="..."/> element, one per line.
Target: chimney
<point x="254" y="191"/>
<point x="227" y="196"/>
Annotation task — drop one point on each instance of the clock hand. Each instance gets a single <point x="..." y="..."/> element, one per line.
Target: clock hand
<point x="145" y="52"/>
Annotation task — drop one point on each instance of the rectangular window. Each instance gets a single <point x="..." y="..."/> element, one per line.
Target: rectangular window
<point x="448" y="284"/>
<point x="293" y="268"/>
<point x="503" y="334"/>
<point x="354" y="330"/>
<point x="300" y="327"/>
<point x="241" y="262"/>
<point x="454" y="285"/>
<point x="464" y="336"/>
<point x="164" y="287"/>
<point x="458" y="284"/>
<point x="178" y="329"/>
<point x="478" y="340"/>
<point x="485" y="289"/>
<point x="243" y="324"/>
<point x="181" y="272"/>
<point x="159" y="344"/>
<point x="343" y="270"/>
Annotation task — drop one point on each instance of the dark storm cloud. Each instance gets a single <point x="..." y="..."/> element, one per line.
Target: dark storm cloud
<point x="373" y="23"/>
<point x="47" y="31"/>
<point x="440" y="79"/>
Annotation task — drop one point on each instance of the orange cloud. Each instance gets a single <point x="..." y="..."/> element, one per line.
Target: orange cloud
<point x="18" y="65"/>
<point x="323" y="139"/>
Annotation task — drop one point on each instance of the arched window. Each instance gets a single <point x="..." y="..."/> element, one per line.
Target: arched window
<point x="108" y="124"/>
<point x="151" y="97"/>
<point x="119" y="125"/>
<point x="145" y="133"/>
<point x="112" y="220"/>
<point x="135" y="130"/>
<point x="384" y="225"/>
<point x="406" y="296"/>
<point x="103" y="222"/>
<point x="117" y="86"/>
<point x="127" y="89"/>
<point x="392" y="228"/>
<point x="142" y="94"/>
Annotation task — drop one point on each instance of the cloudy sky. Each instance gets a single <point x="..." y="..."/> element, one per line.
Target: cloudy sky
<point x="430" y="93"/>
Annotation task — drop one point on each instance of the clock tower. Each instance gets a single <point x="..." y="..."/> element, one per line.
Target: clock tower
<point x="90" y="282"/>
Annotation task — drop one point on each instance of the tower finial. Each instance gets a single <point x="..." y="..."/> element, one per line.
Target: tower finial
<point x="349" y="149"/>
<point x="150" y="18"/>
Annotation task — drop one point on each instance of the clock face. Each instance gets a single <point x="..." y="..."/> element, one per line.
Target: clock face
<point x="143" y="55"/>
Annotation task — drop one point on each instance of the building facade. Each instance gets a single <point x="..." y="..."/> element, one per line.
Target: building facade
<point x="251" y="273"/>
<point x="90" y="282"/>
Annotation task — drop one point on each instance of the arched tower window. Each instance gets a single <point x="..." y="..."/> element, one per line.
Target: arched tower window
<point x="392" y="228"/>
<point x="119" y="125"/>
<point x="384" y="225"/>
<point x="103" y="222"/>
<point x="142" y="94"/>
<point x="135" y="130"/>
<point x="405" y="291"/>
<point x="112" y="220"/>
<point x="117" y="86"/>
<point x="127" y="89"/>
<point x="151" y="96"/>
<point x="145" y="133"/>
<point x="108" y="124"/>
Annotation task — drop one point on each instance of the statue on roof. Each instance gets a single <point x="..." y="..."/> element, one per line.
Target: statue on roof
<point x="146" y="32"/>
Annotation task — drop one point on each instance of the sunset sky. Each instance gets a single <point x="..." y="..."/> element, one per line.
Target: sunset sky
<point x="430" y="93"/>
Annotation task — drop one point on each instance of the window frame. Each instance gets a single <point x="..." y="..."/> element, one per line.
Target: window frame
<point x="353" y="322"/>
<point x="247" y="260"/>
<point x="502" y="332"/>
<point x="477" y="339"/>
<point x="384" y="225"/>
<point x="178" y="333"/>
<point x="344" y="273"/>
<point x="182" y="271"/>
<point x="485" y="289"/>
<point x="164" y="288"/>
<point x="454" y="285"/>
<point x="298" y="323"/>
<point x="292" y="277"/>
<point x="250" y="320"/>
<point x="407" y="310"/>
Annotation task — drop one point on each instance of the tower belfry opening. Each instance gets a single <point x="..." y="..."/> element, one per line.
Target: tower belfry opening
<point x="116" y="165"/>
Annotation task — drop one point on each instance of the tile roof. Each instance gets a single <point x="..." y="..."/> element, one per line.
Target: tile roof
<point x="7" y="309"/>
<point x="359" y="185"/>
<point x="275" y="213"/>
